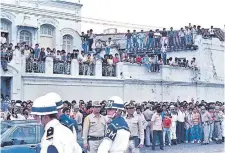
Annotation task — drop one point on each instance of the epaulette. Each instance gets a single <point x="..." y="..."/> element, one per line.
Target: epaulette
<point x="50" y="133"/>
<point x="120" y="123"/>
<point x="66" y="121"/>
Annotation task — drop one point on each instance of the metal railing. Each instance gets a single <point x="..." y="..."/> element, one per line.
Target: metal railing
<point x="108" y="70"/>
<point x="61" y="67"/>
<point x="87" y="69"/>
<point x="35" y="66"/>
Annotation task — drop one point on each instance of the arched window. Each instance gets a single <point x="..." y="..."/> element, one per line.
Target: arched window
<point x="67" y="43"/>
<point x="47" y="30"/>
<point x="5" y="25"/>
<point x="25" y="36"/>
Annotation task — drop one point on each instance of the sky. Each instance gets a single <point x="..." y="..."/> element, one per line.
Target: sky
<point x="154" y="13"/>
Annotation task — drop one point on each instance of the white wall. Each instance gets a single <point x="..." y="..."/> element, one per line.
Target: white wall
<point x="93" y="89"/>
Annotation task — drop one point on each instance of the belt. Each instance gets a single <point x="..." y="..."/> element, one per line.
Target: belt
<point x="207" y="122"/>
<point x="217" y="121"/>
<point x="132" y="138"/>
<point x="92" y="138"/>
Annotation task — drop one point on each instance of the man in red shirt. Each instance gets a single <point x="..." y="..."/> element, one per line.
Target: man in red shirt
<point x="138" y="59"/>
<point x="166" y="127"/>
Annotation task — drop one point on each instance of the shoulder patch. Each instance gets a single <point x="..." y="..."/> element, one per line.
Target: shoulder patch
<point x="111" y="132"/>
<point x="50" y="133"/>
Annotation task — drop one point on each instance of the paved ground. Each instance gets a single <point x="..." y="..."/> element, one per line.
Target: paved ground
<point x="188" y="148"/>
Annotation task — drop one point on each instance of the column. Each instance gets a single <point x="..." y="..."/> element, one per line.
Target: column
<point x="119" y="70"/>
<point x="98" y="69"/>
<point x="125" y="72"/>
<point x="49" y="66"/>
<point x="74" y="70"/>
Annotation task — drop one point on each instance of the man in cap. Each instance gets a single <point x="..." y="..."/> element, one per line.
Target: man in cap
<point x="117" y="136"/>
<point x="63" y="119"/>
<point x="94" y="129"/>
<point x="148" y="116"/>
<point x="205" y="118"/>
<point x="218" y="124"/>
<point x="57" y="138"/>
<point x="136" y="128"/>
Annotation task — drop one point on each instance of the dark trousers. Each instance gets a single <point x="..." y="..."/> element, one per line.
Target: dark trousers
<point x="180" y="132"/>
<point x="156" y="134"/>
<point x="90" y="42"/>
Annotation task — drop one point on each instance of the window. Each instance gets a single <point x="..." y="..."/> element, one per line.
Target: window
<point x="47" y="30"/>
<point x="25" y="36"/>
<point x="23" y="135"/>
<point x="67" y="43"/>
<point x="5" y="26"/>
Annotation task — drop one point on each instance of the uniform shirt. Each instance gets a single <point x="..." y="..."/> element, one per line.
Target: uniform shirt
<point x="61" y="137"/>
<point x="136" y="127"/>
<point x="94" y="126"/>
<point x="205" y="117"/>
<point x="148" y="114"/>
<point x="117" y="137"/>
<point x="156" y="122"/>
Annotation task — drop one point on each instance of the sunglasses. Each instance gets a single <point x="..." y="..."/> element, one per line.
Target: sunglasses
<point x="130" y="108"/>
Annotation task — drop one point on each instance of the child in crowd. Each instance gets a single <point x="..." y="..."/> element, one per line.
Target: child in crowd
<point x="166" y="128"/>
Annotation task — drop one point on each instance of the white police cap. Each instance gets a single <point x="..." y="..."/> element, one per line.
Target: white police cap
<point x="56" y="98"/>
<point x="44" y="106"/>
<point x="115" y="102"/>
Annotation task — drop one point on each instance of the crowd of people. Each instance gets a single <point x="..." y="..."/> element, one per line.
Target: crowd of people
<point x="172" y="40"/>
<point x="158" y="42"/>
<point x="151" y="122"/>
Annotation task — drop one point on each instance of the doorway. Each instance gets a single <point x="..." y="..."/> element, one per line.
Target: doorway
<point x="6" y="86"/>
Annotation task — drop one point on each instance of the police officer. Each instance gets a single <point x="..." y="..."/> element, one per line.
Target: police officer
<point x="136" y="128"/>
<point x="63" y="119"/>
<point x="117" y="136"/>
<point x="94" y="129"/>
<point x="148" y="116"/>
<point x="205" y="118"/>
<point x="57" y="138"/>
<point x="218" y="124"/>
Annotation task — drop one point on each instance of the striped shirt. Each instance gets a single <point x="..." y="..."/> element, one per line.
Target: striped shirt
<point x="196" y="118"/>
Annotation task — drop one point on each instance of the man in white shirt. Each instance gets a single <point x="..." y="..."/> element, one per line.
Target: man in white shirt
<point x="211" y="32"/>
<point x="157" y="37"/>
<point x="3" y="38"/>
<point x="194" y="33"/>
<point x="180" y="125"/>
<point x="141" y="37"/>
<point x="182" y="37"/>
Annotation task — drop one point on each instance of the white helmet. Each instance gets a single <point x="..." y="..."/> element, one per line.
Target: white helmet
<point x="56" y="98"/>
<point x="115" y="102"/>
<point x="44" y="106"/>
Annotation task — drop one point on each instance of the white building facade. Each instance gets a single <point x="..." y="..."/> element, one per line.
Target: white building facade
<point x="49" y="23"/>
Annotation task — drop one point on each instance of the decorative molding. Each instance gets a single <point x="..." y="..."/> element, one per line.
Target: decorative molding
<point x="40" y="12"/>
<point x="68" y="31"/>
<point x="12" y="71"/>
<point x="50" y="21"/>
<point x="9" y="16"/>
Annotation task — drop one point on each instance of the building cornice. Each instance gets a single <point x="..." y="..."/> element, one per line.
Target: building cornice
<point x="107" y="81"/>
<point x="38" y="12"/>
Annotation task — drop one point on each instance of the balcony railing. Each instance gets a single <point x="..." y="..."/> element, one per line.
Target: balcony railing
<point x="61" y="67"/>
<point x="34" y="66"/>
